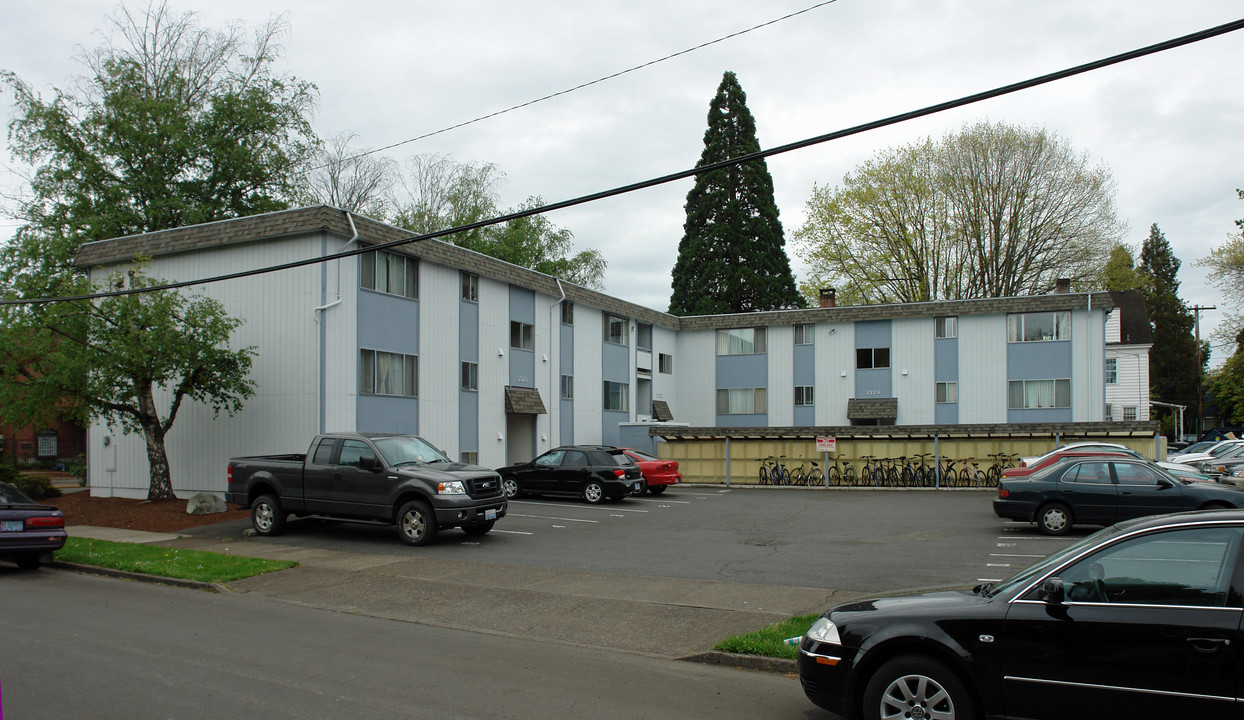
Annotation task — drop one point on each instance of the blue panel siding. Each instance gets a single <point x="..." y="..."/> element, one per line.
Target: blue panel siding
<point x="759" y="420"/>
<point x="468" y="351"/>
<point x="566" y="349"/>
<point x="567" y="422"/>
<point x="946" y="359"/>
<point x="468" y="421"/>
<point x="805" y="365"/>
<point x="946" y="413"/>
<point x="872" y="334"/>
<point x="805" y="416"/>
<point x="742" y="371"/>
<point x="870" y="382"/>
<point x="468" y="331"/>
<point x="611" y="433"/>
<point x="1039" y="415"/>
<point x="1038" y="361"/>
<point x="522" y="305"/>
<point x="522" y="368"/>
<point x="380" y="413"/>
<point x="873" y="384"/>
<point x="388" y="322"/>
<point x="637" y="437"/>
<point x="615" y="363"/>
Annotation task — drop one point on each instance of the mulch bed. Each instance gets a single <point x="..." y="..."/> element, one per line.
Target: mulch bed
<point x="165" y="516"/>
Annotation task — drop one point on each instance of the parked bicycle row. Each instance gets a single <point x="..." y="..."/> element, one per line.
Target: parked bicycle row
<point x="919" y="470"/>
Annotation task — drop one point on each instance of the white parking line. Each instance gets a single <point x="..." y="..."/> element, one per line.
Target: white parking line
<point x="1014" y="555"/>
<point x="550" y="517"/>
<point x="988" y="579"/>
<point x="997" y="564"/>
<point x="609" y="508"/>
<point x="662" y="500"/>
<point x="513" y="532"/>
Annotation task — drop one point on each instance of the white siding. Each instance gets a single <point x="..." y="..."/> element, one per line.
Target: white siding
<point x="547" y="340"/>
<point x="911" y="368"/>
<point x="697" y="377"/>
<point x="664" y="387"/>
<point x="1088" y="394"/>
<point x="835" y="372"/>
<point x="494" y="369"/>
<point x="339" y="343"/>
<point x="589" y="389"/>
<point x="780" y="349"/>
<point x="1132" y="386"/>
<point x="440" y="368"/>
<point x="982" y="369"/>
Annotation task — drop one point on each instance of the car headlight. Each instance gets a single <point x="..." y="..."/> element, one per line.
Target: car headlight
<point x="451" y="488"/>
<point x="824" y="631"/>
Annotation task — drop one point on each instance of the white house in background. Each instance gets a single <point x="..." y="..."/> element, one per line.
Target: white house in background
<point x="495" y="363"/>
<point x="1129" y="338"/>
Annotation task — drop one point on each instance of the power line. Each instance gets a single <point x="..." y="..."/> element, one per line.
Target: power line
<point x="759" y="155"/>
<point x="581" y="85"/>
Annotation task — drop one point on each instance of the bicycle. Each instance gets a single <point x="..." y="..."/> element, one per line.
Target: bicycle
<point x="1001" y="462"/>
<point x="871" y="473"/>
<point x="971" y="476"/>
<point x="766" y="469"/>
<point x="842" y="472"/>
<point x="923" y="474"/>
<point x="806" y="475"/>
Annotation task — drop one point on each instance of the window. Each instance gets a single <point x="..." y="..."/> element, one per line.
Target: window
<point x="522" y="336"/>
<point x="1027" y="394"/>
<point x="390" y="273"/>
<point x="1188" y="567"/>
<point x="803" y="395"/>
<point x="1089" y="473"/>
<point x="946" y="327"/>
<point x="803" y="334"/>
<point x="385" y="373"/>
<point x="469" y="458"/>
<point x="617" y="396"/>
<point x="567" y="312"/>
<point x="867" y="358"/>
<point x="1129" y="413"/>
<point x="470" y="376"/>
<point x="741" y="341"/>
<point x="470" y="287"/>
<point x="643" y="336"/>
<point x="948" y="392"/>
<point x="616" y="330"/>
<point x="567" y="387"/>
<point x="741" y="401"/>
<point x="353" y="451"/>
<point x="665" y="363"/>
<point x="324" y="452"/>
<point x="1038" y="327"/>
<point x="1112" y="371"/>
<point x="1109" y="411"/>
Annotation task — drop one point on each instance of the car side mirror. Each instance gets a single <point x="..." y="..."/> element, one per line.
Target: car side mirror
<point x="369" y="462"/>
<point x="1052" y="591"/>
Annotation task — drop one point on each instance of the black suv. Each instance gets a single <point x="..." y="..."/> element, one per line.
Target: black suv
<point x="593" y="472"/>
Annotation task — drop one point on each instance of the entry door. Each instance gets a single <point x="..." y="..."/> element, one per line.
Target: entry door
<point x="520" y="438"/>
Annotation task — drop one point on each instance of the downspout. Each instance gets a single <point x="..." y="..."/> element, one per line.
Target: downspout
<point x="555" y="393"/>
<point x="319" y="385"/>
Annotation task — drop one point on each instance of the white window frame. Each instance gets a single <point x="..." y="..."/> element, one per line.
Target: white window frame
<point x="567" y="312"/>
<point x="470" y="287"/>
<point x="617" y="330"/>
<point x="370" y="277"/>
<point x="1131" y="413"/>
<point x="947" y="391"/>
<point x="524" y="334"/>
<point x="567" y="387"/>
<point x="470" y="375"/>
<point x="1024" y="327"/>
<point x="469" y="457"/>
<point x="1112" y="371"/>
<point x="665" y="363"/>
<point x="742" y="401"/>
<point x="805" y="334"/>
<point x="617" y="397"/>
<point x="872" y="359"/>
<point x="946" y="327"/>
<point x="741" y="341"/>
<point x="1034" y="393"/>
<point x="396" y="367"/>
<point x="805" y="396"/>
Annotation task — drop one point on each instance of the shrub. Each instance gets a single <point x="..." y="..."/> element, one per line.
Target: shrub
<point x="36" y="486"/>
<point x="8" y="473"/>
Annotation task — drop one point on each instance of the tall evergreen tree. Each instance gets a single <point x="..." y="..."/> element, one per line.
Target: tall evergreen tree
<point x="1172" y="361"/>
<point x="732" y="257"/>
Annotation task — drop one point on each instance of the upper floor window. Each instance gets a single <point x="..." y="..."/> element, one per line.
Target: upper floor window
<point x="390" y="273"/>
<point x="567" y="312"/>
<point x="1029" y="394"/>
<point x="665" y="363"/>
<point x="869" y="358"/>
<point x="741" y="341"/>
<point x="946" y="327"/>
<point x="386" y="373"/>
<point x="948" y="392"/>
<point x="470" y="376"/>
<point x="1112" y="371"/>
<point x="803" y="334"/>
<point x="470" y="287"/>
<point x="1129" y="413"/>
<point x="567" y="387"/>
<point x="803" y="396"/>
<point x="617" y="396"/>
<point x="643" y="336"/>
<point x="1038" y="326"/>
<point x="522" y="335"/>
<point x="617" y="330"/>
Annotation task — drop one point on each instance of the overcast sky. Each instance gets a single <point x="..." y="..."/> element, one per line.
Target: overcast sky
<point x="1169" y="126"/>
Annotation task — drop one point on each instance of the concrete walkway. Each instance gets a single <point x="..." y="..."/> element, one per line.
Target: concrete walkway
<point x="658" y="616"/>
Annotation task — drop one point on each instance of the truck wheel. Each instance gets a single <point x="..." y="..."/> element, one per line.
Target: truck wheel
<point x="416" y="524"/>
<point x="594" y="492"/>
<point x="267" y="515"/>
<point x="478" y="528"/>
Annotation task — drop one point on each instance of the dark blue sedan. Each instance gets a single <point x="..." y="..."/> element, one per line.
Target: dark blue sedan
<point x="1103" y="491"/>
<point x="29" y="531"/>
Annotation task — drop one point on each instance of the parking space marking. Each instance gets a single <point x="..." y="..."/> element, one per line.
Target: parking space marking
<point x="579" y="507"/>
<point x="550" y="517"/>
<point x="1015" y="555"/>
<point x="513" y="532"/>
<point x="647" y="500"/>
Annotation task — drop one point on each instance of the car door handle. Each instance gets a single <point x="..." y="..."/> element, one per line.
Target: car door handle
<point x="1208" y="645"/>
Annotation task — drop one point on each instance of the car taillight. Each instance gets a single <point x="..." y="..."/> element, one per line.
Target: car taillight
<point x="1003" y="492"/>
<point x="48" y="521"/>
<point x="667" y="467"/>
<point x="619" y="472"/>
<point x="230" y="474"/>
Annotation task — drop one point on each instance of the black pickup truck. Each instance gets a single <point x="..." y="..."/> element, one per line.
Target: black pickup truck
<point x="376" y="478"/>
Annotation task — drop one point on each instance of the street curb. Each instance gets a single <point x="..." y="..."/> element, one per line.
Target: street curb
<point x="138" y="577"/>
<point x="745" y="662"/>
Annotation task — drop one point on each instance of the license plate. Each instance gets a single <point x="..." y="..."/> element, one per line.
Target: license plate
<point x="11" y="525"/>
<point x="637" y="487"/>
<point x="490" y="514"/>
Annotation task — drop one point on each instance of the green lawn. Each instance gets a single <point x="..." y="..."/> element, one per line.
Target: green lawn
<point x="166" y="562"/>
<point x="770" y="640"/>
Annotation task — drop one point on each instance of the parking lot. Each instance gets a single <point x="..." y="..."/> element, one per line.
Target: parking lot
<point x="850" y="540"/>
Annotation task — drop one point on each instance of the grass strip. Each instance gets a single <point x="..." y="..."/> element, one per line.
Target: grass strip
<point x="769" y="640"/>
<point x="166" y="562"/>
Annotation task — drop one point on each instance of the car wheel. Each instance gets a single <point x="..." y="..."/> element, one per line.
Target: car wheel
<point x="1055" y="519"/>
<point x="916" y="687"/>
<point x="267" y="515"/>
<point x="478" y="528"/>
<point x="594" y="492"/>
<point x="416" y="524"/>
<point x="657" y="490"/>
<point x="509" y="486"/>
<point x="28" y="562"/>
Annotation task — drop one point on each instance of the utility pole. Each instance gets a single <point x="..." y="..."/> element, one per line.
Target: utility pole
<point x="1200" y="389"/>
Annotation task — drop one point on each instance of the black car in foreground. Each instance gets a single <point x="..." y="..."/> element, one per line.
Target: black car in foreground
<point x="1141" y="619"/>
<point x="592" y="472"/>
<point x="29" y="531"/>
<point x="1104" y="490"/>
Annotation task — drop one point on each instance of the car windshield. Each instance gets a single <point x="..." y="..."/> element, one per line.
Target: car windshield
<point x="401" y="449"/>
<point x="1025" y="576"/>
<point x="1196" y="448"/>
<point x="643" y="455"/>
<point x="10" y="495"/>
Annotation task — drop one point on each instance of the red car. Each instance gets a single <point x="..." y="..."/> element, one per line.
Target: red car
<point x="1056" y="457"/>
<point x="29" y="531"/>
<point x="658" y="474"/>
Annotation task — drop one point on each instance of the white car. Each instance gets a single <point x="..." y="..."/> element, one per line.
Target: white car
<point x="1078" y="446"/>
<point x="1221" y="451"/>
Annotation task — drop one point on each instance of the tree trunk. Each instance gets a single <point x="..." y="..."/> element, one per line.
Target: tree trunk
<point x="161" y="487"/>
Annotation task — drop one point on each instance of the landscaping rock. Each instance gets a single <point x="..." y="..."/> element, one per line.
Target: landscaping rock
<point x="206" y="504"/>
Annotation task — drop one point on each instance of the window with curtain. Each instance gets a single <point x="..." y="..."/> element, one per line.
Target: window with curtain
<point x="617" y="396"/>
<point x="803" y="334"/>
<point x="741" y="401"/>
<point x="1037" y="394"/>
<point x="1038" y="326"/>
<point x="617" y="330"/>
<point x="386" y="373"/>
<point x="741" y="341"/>
<point x="390" y="273"/>
<point x="470" y="287"/>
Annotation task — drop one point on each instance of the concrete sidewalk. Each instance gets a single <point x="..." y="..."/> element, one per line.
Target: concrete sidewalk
<point x="665" y="617"/>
